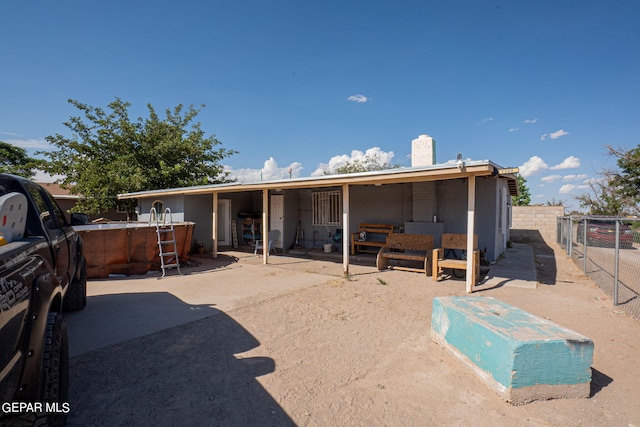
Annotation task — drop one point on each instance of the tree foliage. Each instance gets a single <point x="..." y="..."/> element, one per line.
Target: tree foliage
<point x="627" y="180"/>
<point x="108" y="154"/>
<point x="16" y="161"/>
<point x="617" y="192"/>
<point x="554" y="202"/>
<point x="524" y="195"/>
<point x="368" y="163"/>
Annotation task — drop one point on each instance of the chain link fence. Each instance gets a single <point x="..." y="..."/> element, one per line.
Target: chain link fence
<point x="608" y="251"/>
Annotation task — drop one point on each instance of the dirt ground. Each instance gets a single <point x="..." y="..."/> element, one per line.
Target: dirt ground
<point x="351" y="351"/>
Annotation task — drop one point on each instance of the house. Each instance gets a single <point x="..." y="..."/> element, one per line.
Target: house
<point x="456" y="197"/>
<point x="67" y="201"/>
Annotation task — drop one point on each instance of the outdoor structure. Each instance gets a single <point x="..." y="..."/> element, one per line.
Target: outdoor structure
<point x="536" y="223"/>
<point x="67" y="201"/>
<point x="128" y="247"/>
<point x="470" y="197"/>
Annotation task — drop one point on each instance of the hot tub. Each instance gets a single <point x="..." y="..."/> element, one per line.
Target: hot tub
<point x="128" y="247"/>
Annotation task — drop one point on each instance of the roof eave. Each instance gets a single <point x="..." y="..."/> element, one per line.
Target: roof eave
<point x="395" y="176"/>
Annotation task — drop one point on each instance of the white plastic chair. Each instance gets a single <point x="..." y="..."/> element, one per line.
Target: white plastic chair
<point x="273" y="237"/>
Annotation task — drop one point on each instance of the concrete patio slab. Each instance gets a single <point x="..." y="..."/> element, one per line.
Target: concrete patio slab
<point x="122" y="308"/>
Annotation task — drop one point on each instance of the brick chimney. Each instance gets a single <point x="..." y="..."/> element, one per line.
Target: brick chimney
<point x="423" y="151"/>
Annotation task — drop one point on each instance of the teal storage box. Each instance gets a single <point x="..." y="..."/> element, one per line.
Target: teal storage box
<point x="520" y="356"/>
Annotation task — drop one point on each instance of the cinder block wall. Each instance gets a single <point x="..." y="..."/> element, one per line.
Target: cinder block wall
<point x="532" y="222"/>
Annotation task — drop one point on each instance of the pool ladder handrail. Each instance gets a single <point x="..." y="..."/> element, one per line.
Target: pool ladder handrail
<point x="166" y="236"/>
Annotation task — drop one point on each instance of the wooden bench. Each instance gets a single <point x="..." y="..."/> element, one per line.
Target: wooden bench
<point x="455" y="242"/>
<point x="407" y="247"/>
<point x="375" y="236"/>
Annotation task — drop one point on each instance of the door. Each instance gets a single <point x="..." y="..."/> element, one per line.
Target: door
<point x="54" y="223"/>
<point x="276" y="217"/>
<point x="224" y="222"/>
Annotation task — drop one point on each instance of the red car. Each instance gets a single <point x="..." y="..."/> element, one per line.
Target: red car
<point x="603" y="233"/>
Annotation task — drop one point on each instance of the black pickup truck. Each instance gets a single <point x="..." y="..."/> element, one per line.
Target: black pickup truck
<point x="42" y="274"/>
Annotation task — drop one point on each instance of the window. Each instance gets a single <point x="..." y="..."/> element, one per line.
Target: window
<point x="47" y="217"/>
<point x="121" y="208"/>
<point x="157" y="208"/>
<point x="327" y="208"/>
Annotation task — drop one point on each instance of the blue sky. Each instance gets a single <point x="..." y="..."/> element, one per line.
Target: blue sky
<point x="301" y="85"/>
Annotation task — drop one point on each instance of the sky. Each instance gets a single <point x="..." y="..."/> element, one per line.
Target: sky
<point x="300" y="87"/>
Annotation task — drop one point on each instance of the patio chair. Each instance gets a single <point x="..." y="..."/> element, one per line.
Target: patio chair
<point x="272" y="237"/>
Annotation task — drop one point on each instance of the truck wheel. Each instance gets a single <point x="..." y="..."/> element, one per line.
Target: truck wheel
<point x="76" y="296"/>
<point x="55" y="367"/>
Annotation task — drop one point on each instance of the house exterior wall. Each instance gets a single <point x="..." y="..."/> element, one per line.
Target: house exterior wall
<point x="424" y="201"/>
<point x="68" y="204"/>
<point x="388" y="204"/>
<point x="199" y="209"/>
<point x="452" y="211"/>
<point x="175" y="203"/>
<point x="502" y="213"/>
<point x="452" y="205"/>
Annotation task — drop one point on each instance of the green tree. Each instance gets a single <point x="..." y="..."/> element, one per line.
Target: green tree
<point x="617" y="192"/>
<point x="627" y="179"/>
<point x="109" y="154"/>
<point x="554" y="202"/>
<point x="370" y="162"/>
<point x="524" y="195"/>
<point x="603" y="198"/>
<point x="16" y="161"/>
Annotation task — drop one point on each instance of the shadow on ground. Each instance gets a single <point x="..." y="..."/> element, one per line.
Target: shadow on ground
<point x="545" y="260"/>
<point x="184" y="375"/>
<point x="598" y="381"/>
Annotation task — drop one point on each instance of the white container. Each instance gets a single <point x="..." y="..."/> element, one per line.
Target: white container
<point x="327" y="248"/>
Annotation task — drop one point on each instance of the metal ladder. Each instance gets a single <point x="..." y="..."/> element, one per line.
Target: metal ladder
<point x="166" y="240"/>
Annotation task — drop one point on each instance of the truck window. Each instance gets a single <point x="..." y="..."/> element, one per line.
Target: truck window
<point x="48" y="218"/>
<point x="62" y="219"/>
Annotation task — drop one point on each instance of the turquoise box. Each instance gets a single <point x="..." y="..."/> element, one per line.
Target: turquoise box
<point x="520" y="356"/>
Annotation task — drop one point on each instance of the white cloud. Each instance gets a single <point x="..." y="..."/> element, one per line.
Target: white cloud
<point x="532" y="166"/>
<point x="485" y="120"/>
<point x="554" y="135"/>
<point x="575" y="177"/>
<point x="30" y="144"/>
<point x="557" y="134"/>
<point x="342" y="159"/>
<point x="514" y="129"/>
<point x="570" y="162"/>
<point x="535" y="164"/>
<point x="567" y="188"/>
<point x="358" y="98"/>
<point x="270" y="171"/>
<point x="551" y="178"/>
<point x="530" y="121"/>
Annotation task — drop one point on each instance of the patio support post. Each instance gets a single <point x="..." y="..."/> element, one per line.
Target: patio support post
<point x="345" y="229"/>
<point x="214" y="225"/>
<point x="265" y="226"/>
<point x="471" y="203"/>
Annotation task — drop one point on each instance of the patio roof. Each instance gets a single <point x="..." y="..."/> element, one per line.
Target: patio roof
<point x="450" y="170"/>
